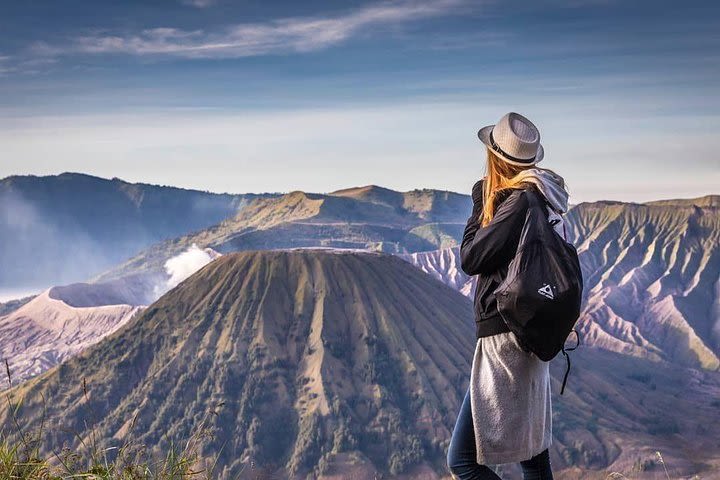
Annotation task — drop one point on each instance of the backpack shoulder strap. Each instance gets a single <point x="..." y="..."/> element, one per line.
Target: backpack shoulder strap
<point x="537" y="201"/>
<point x="567" y="358"/>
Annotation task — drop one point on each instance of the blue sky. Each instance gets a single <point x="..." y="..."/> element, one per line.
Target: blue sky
<point x="256" y="96"/>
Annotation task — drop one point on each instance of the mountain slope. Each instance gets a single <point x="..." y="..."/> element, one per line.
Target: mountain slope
<point x="42" y="331"/>
<point x="428" y="204"/>
<point x="370" y="217"/>
<point x="312" y="361"/>
<point x="58" y="324"/>
<point x="652" y="274"/>
<point x="652" y="277"/>
<point x="444" y="265"/>
<point x="65" y="228"/>
<point x="618" y="410"/>
<point x="313" y="352"/>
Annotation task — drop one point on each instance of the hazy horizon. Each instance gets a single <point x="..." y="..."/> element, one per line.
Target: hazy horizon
<point x="324" y="192"/>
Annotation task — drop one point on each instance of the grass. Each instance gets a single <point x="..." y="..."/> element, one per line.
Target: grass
<point x="658" y="455"/>
<point x="21" y="459"/>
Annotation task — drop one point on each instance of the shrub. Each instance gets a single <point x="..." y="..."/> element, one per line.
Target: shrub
<point x="21" y="457"/>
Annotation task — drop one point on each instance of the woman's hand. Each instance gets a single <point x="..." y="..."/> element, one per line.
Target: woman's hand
<point x="477" y="199"/>
<point x="477" y="193"/>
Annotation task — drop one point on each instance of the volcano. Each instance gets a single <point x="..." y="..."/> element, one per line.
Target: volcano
<point x="300" y="361"/>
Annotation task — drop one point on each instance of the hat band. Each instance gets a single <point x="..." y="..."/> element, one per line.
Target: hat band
<point x="502" y="152"/>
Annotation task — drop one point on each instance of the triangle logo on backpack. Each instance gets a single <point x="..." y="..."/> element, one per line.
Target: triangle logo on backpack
<point x="546" y="291"/>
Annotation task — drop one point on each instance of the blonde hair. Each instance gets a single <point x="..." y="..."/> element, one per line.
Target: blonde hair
<point x="500" y="176"/>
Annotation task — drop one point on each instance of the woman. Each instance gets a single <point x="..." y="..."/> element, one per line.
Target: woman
<point x="506" y="416"/>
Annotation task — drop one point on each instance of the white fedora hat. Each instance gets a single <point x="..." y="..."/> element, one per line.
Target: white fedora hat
<point x="515" y="139"/>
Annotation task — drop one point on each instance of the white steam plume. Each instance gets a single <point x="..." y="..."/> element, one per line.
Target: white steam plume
<point x="185" y="264"/>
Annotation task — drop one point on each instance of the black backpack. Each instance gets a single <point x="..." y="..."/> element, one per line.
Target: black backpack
<point x="540" y="298"/>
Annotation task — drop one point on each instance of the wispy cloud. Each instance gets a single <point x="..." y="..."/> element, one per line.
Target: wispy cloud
<point x="198" y="3"/>
<point x="402" y="143"/>
<point x="5" y="66"/>
<point x="28" y="66"/>
<point x="295" y="34"/>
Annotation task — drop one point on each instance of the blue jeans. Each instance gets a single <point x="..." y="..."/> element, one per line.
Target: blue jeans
<point x="462" y="459"/>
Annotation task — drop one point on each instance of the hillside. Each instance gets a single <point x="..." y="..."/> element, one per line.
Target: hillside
<point x="338" y="361"/>
<point x="315" y="353"/>
<point x="706" y="201"/>
<point x="618" y="410"/>
<point x="59" y="323"/>
<point x="41" y="331"/>
<point x="444" y="265"/>
<point x="652" y="277"/>
<point x="371" y="217"/>
<point x="428" y="204"/>
<point x="12" y="305"/>
<point x="66" y="228"/>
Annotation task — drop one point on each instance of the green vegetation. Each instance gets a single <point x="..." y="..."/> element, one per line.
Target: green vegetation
<point x="662" y="425"/>
<point x="21" y="457"/>
<point x="438" y="235"/>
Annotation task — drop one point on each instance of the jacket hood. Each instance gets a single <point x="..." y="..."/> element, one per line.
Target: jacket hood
<point x="550" y="185"/>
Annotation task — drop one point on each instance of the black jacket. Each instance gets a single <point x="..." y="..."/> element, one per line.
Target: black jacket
<point x="487" y="251"/>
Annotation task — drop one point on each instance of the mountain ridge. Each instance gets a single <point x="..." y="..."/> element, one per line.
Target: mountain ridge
<point x="66" y="228"/>
<point x="301" y="219"/>
<point x="652" y="278"/>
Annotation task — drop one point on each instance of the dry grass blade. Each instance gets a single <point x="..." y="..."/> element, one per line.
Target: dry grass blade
<point x="667" y="475"/>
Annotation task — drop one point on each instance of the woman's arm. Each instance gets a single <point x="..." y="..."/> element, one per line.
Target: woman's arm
<point x="472" y="222"/>
<point x="485" y="249"/>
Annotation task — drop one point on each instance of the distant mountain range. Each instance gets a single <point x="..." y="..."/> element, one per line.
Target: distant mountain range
<point x="66" y="228"/>
<point x="370" y="217"/>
